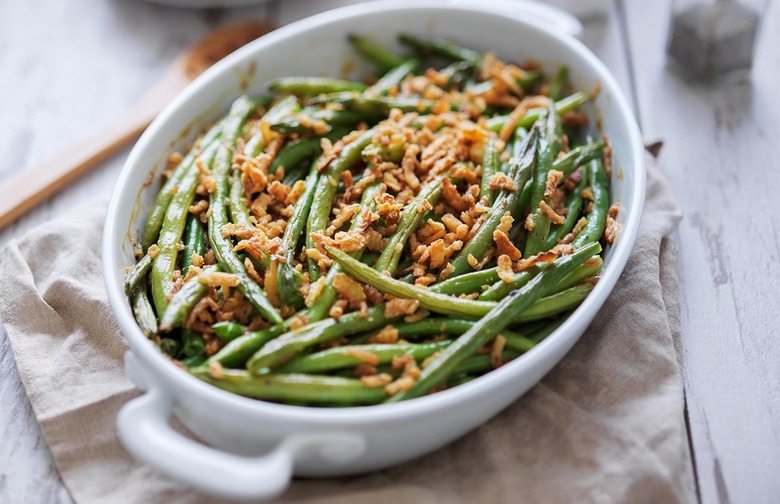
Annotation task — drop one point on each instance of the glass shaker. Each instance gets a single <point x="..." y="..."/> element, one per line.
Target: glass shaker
<point x="715" y="39"/>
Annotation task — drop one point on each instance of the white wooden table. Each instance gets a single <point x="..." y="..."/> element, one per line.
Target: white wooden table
<point x="67" y="67"/>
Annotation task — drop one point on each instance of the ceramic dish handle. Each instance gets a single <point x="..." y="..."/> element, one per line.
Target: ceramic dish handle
<point x="144" y="429"/>
<point x="548" y="14"/>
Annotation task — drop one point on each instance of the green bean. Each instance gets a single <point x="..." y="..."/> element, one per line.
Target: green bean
<point x="434" y="301"/>
<point x="370" y="258"/>
<point x="578" y="157"/>
<point x="459" y="73"/>
<point x="573" y="207"/>
<point x="327" y="297"/>
<point x="354" y="355"/>
<point x="495" y="123"/>
<point x="549" y="146"/>
<point x="157" y="215"/>
<point x="285" y="107"/>
<point x="294" y="387"/>
<point x="563" y="106"/>
<point x="256" y="144"/>
<point x="183" y="301"/>
<point x="481" y="363"/>
<point x="194" y="242"/>
<point x="467" y="282"/>
<point x="568" y="104"/>
<point x="559" y="83"/>
<point x="519" y="137"/>
<point x="407" y="224"/>
<point x="459" y="379"/>
<point x="322" y="205"/>
<point x="138" y="273"/>
<point x="170" y="347"/>
<point x="500" y="289"/>
<point x="308" y="121"/>
<point x="171" y="232"/>
<point x="430" y="326"/>
<point x="530" y="80"/>
<point x="192" y="344"/>
<point x="572" y="102"/>
<point x="392" y="78"/>
<point x="495" y="321"/>
<point x="548" y="328"/>
<point x="483" y="238"/>
<point x="289" y="278"/>
<point x="520" y="341"/>
<point x="143" y="311"/>
<point x="326" y="190"/>
<point x="283" y="348"/>
<point x="300" y="215"/>
<point x="221" y="245"/>
<point x="374" y="52"/>
<point x="440" y="303"/>
<point x="475" y="88"/>
<point x="236" y="352"/>
<point x="391" y="151"/>
<point x="236" y="202"/>
<point x="194" y="362"/>
<point x="377" y="105"/>
<point x="295" y="152"/>
<point x="555" y="303"/>
<point x="299" y="150"/>
<point x="524" y="200"/>
<point x="439" y="46"/>
<point x="599" y="186"/>
<point x="296" y="173"/>
<point x="313" y="85"/>
<point x="262" y="262"/>
<point x="228" y="331"/>
<point x="489" y="168"/>
<point x="261" y="101"/>
<point x="517" y="342"/>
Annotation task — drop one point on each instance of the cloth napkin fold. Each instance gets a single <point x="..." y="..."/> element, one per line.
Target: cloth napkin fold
<point x="606" y="425"/>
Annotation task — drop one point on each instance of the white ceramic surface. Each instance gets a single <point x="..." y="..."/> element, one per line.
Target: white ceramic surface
<point x="256" y="446"/>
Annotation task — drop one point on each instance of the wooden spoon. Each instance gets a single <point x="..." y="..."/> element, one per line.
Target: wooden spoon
<point x="29" y="188"/>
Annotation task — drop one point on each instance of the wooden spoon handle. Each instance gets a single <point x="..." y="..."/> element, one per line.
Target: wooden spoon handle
<point x="27" y="189"/>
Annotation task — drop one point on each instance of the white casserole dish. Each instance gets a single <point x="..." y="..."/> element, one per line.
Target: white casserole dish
<point x="255" y="447"/>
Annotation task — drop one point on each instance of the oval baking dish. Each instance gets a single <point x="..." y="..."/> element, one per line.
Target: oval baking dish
<point x="255" y="447"/>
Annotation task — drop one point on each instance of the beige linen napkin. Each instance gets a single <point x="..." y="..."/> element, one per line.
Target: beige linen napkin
<point x="606" y="425"/>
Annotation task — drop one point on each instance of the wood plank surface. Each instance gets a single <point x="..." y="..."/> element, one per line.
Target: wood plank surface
<point x="720" y="154"/>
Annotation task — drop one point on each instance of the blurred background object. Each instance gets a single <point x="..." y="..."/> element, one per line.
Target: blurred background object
<point x="580" y="8"/>
<point x="203" y="4"/>
<point x="584" y="8"/>
<point x="715" y="39"/>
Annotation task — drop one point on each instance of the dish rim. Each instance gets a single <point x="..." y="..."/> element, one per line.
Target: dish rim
<point x="182" y="381"/>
